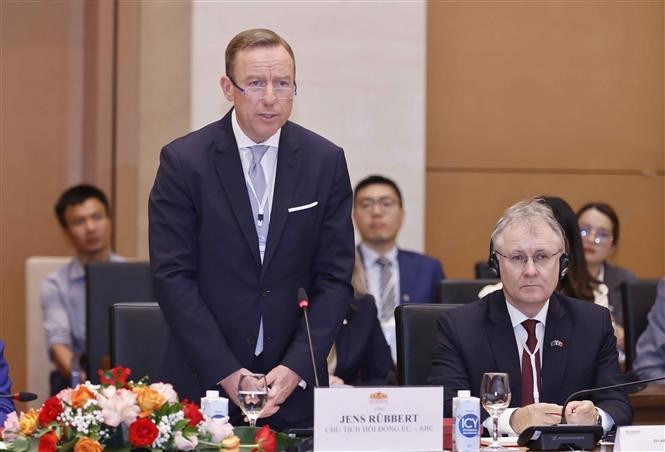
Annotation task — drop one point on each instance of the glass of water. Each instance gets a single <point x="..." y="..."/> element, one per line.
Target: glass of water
<point x="252" y="396"/>
<point x="495" y="398"/>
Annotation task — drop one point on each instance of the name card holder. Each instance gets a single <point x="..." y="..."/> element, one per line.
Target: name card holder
<point x="641" y="438"/>
<point x="378" y="418"/>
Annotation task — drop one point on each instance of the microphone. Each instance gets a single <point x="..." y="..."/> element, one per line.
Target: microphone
<point x="20" y="396"/>
<point x="565" y="436"/>
<point x="303" y="302"/>
<point x="575" y="395"/>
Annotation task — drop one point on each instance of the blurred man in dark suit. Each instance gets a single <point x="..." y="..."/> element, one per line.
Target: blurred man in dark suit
<point x="6" y="404"/>
<point x="650" y="348"/>
<point x="393" y="275"/>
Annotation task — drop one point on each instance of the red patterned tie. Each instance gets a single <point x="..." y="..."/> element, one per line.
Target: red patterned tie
<point x="527" y="372"/>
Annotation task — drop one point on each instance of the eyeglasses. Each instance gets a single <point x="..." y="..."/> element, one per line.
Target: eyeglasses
<point x="600" y="236"/>
<point x="258" y="89"/>
<point x="385" y="204"/>
<point x="519" y="260"/>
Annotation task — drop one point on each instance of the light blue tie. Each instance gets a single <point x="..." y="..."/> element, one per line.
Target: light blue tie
<point x="256" y="175"/>
<point x="388" y="298"/>
<point x="258" y="180"/>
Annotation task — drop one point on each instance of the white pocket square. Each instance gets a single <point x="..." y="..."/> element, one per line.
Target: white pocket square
<point x="303" y="207"/>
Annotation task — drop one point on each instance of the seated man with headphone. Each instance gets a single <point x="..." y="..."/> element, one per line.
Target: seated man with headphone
<point x="549" y="344"/>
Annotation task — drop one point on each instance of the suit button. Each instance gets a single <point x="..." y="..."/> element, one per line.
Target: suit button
<point x="251" y="340"/>
<point x="265" y="293"/>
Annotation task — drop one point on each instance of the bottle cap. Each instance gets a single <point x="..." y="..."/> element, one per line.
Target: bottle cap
<point x="464" y="393"/>
<point x="212" y="393"/>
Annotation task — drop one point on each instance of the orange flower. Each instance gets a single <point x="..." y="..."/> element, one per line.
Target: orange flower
<point x="28" y="422"/>
<point x="80" y="396"/>
<point x="230" y="444"/>
<point x="148" y="399"/>
<point x="87" y="445"/>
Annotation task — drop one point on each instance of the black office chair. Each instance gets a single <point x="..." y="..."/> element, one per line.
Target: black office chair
<point x="108" y="283"/>
<point x="138" y="334"/>
<point x="483" y="271"/>
<point x="638" y="297"/>
<point x="416" y="340"/>
<point x="460" y="291"/>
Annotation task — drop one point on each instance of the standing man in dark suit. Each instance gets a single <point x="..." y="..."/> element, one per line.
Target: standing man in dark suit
<point x="243" y="212"/>
<point x="511" y="329"/>
<point x="394" y="275"/>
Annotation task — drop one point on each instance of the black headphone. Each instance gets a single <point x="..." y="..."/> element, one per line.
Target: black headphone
<point x="493" y="262"/>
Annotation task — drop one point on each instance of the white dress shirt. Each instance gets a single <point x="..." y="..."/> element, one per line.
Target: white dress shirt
<point x="268" y="163"/>
<point x="373" y="280"/>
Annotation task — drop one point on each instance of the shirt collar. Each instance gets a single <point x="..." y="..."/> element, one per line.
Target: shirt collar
<point x="370" y="256"/>
<point x="517" y="317"/>
<point x="244" y="141"/>
<point x="76" y="270"/>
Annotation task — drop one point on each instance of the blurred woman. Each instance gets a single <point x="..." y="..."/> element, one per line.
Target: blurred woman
<point x="599" y="229"/>
<point x="578" y="282"/>
<point x="361" y="355"/>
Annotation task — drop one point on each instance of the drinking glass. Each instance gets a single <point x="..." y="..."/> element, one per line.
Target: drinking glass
<point x="252" y="396"/>
<point x="495" y="398"/>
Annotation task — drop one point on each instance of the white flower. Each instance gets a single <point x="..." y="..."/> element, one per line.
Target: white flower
<point x="219" y="428"/>
<point x="11" y="427"/>
<point x="118" y="406"/>
<point x="165" y="390"/>
<point x="185" y="443"/>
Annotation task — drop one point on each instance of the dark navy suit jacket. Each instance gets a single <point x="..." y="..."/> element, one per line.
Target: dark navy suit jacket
<point x="6" y="405"/>
<point x="363" y="355"/>
<point x="478" y="338"/>
<point x="208" y="276"/>
<point x="419" y="277"/>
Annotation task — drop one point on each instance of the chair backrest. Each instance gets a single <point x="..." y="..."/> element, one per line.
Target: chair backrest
<point x="37" y="269"/>
<point x="108" y="283"/>
<point x="483" y="271"/>
<point x="638" y="297"/>
<point x="138" y="335"/>
<point x="460" y="291"/>
<point x="416" y="340"/>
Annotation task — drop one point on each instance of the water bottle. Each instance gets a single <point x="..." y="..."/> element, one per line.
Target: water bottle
<point x="214" y="406"/>
<point x="466" y="429"/>
<point x="75" y="373"/>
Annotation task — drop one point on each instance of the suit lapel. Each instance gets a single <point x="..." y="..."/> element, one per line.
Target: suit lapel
<point x="286" y="179"/>
<point x="503" y="345"/>
<point x="229" y="168"/>
<point x="555" y="349"/>
<point x="404" y="277"/>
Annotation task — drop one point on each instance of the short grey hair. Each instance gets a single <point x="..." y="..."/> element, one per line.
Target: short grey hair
<point x="526" y="212"/>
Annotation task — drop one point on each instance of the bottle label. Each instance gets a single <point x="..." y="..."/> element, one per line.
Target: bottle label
<point x="468" y="425"/>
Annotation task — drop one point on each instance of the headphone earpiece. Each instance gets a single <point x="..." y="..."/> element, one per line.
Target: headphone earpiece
<point x="493" y="262"/>
<point x="564" y="265"/>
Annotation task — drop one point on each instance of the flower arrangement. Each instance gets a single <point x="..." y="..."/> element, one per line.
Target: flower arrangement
<point x="119" y="413"/>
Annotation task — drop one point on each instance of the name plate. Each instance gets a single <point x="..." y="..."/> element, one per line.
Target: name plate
<point x="378" y="418"/>
<point x="641" y="438"/>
